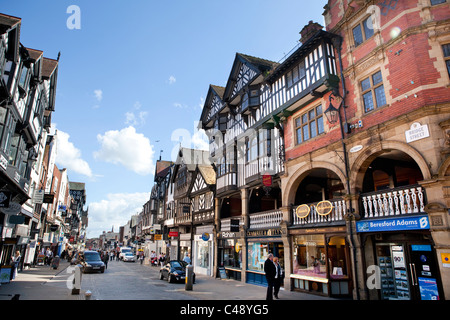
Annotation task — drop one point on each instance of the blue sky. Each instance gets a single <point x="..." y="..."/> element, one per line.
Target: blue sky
<point x="134" y="77"/>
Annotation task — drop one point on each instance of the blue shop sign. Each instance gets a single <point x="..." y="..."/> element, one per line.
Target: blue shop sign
<point x="394" y="224"/>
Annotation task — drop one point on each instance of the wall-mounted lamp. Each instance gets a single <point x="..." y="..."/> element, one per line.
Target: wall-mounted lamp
<point x="331" y="113"/>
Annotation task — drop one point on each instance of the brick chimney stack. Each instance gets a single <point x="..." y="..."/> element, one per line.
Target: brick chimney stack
<point x="309" y="30"/>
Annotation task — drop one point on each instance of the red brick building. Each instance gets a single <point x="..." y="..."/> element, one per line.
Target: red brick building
<point x="385" y="176"/>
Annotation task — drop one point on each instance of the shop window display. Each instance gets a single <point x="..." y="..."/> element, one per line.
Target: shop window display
<point x="309" y="256"/>
<point x="203" y="254"/>
<point x="258" y="252"/>
<point x="337" y="258"/>
<point x="232" y="254"/>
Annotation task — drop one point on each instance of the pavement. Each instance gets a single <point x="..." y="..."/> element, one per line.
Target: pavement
<point x="40" y="283"/>
<point x="46" y="283"/>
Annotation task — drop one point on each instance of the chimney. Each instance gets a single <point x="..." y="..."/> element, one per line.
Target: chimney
<point x="309" y="30"/>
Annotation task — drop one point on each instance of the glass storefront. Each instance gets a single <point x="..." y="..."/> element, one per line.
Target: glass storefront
<point x="231" y="254"/>
<point x="309" y="256"/>
<point x="202" y="257"/>
<point x="258" y="252"/>
<point x="320" y="264"/>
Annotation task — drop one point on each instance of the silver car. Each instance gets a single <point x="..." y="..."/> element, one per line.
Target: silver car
<point x="129" y="257"/>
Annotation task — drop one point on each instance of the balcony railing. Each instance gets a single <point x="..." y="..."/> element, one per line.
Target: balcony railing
<point x="336" y="215"/>
<point x="266" y="219"/>
<point x="225" y="224"/>
<point x="228" y="179"/>
<point x="392" y="202"/>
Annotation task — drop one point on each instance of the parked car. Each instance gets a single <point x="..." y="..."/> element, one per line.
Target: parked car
<point x="91" y="261"/>
<point x="174" y="271"/>
<point x="129" y="257"/>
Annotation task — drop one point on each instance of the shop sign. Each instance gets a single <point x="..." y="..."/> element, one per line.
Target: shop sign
<point x="16" y="219"/>
<point x="173" y="234"/>
<point x="324" y="208"/>
<point x="302" y="211"/>
<point x="445" y="258"/>
<point x="205" y="236"/>
<point x="267" y="180"/>
<point x="394" y="224"/>
<point x="234" y="225"/>
<point x="267" y="232"/>
<point x="226" y="234"/>
<point x="417" y="132"/>
<point x="158" y="236"/>
<point x="13" y="208"/>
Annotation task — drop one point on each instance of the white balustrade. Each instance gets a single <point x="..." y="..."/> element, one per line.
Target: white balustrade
<point x="336" y="214"/>
<point x="266" y="219"/>
<point x="393" y="202"/>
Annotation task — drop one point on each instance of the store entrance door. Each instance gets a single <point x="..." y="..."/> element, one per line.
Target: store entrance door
<point x="424" y="272"/>
<point x="409" y="271"/>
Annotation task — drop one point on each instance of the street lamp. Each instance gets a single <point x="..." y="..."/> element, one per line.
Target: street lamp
<point x="331" y="112"/>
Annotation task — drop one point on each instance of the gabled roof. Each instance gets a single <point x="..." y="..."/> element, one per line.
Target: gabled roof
<point x="7" y="22"/>
<point x="208" y="174"/>
<point x="48" y="67"/>
<point x="213" y="91"/>
<point x="258" y="65"/>
<point x="299" y="54"/>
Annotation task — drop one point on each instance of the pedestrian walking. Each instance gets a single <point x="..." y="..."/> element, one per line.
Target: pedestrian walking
<point x="187" y="259"/>
<point x="279" y="276"/>
<point x="162" y="259"/>
<point x="141" y="256"/>
<point x="15" y="264"/>
<point x="270" y="270"/>
<point x="105" y="258"/>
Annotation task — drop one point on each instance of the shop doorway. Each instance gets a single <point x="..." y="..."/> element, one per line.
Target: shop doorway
<point x="408" y="271"/>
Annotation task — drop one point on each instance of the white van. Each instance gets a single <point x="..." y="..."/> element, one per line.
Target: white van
<point x="124" y="250"/>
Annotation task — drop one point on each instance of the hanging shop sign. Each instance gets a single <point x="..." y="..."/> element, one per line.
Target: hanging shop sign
<point x="205" y="236"/>
<point x="324" y="208"/>
<point x="234" y="225"/>
<point x="13" y="208"/>
<point x="394" y="224"/>
<point x="302" y="211"/>
<point x="267" y="180"/>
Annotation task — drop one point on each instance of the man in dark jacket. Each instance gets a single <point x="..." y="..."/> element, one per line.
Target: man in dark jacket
<point x="270" y="270"/>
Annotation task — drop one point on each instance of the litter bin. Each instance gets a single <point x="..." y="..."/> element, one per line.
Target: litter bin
<point x="189" y="277"/>
<point x="55" y="262"/>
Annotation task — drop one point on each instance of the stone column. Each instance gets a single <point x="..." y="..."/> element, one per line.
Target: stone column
<point x="216" y="231"/>
<point x="243" y="232"/>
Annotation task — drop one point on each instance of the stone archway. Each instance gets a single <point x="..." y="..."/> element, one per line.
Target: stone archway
<point x="363" y="161"/>
<point x="289" y="188"/>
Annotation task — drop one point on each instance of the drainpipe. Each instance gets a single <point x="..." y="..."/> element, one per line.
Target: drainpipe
<point x="337" y="42"/>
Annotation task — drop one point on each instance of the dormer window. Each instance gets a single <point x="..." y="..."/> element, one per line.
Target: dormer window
<point x="250" y="99"/>
<point x="223" y="120"/>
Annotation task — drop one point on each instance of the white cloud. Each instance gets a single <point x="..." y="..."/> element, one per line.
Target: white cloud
<point x="179" y="105"/>
<point x="128" y="148"/>
<point x="172" y="80"/>
<point x="68" y="156"/>
<point x="98" y="94"/>
<point x="114" y="211"/>
<point x="136" y="117"/>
